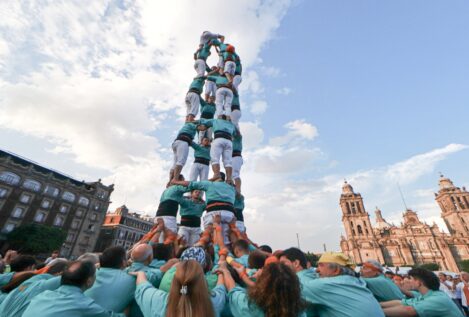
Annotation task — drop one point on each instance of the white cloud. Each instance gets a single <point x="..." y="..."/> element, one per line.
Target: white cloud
<point x="270" y="71"/>
<point x="258" y="107"/>
<point x="298" y="130"/>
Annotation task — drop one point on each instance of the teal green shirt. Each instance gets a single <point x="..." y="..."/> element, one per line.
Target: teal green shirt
<point x="157" y="263"/>
<point x="238" y="143"/>
<point x="219" y="125"/>
<point x="153" y="275"/>
<point x="153" y="301"/>
<point x="5" y="278"/>
<point x="235" y="100"/>
<point x="215" y="191"/>
<point x="220" y="80"/>
<point x="383" y="288"/>
<point x="304" y="276"/>
<point x="239" y="67"/>
<point x="173" y="192"/>
<point x="197" y="84"/>
<point x="201" y="151"/>
<point x="434" y="304"/>
<point x="340" y="296"/>
<point x="18" y="299"/>
<point x="66" y="301"/>
<point x="113" y="289"/>
<point x="241" y="307"/>
<point x="207" y="110"/>
<point x="190" y="207"/>
<point x="229" y="56"/>
<point x="189" y="128"/>
<point x="203" y="53"/>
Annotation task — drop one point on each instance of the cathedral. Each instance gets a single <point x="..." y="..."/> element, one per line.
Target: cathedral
<point x="413" y="242"/>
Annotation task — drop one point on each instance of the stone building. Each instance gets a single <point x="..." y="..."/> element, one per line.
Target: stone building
<point x="123" y="228"/>
<point x="31" y="193"/>
<point x="413" y="242"/>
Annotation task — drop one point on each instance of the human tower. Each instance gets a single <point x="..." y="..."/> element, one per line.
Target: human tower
<point x="215" y="136"/>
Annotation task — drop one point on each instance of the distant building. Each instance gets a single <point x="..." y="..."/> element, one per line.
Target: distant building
<point x="31" y="193"/>
<point x="413" y="242"/>
<point x="123" y="228"/>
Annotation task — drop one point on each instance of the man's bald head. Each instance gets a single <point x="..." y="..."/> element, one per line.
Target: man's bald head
<point x="142" y="253"/>
<point x="79" y="274"/>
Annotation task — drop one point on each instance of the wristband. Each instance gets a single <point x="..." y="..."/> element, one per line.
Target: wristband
<point x="223" y="252"/>
<point x="229" y="260"/>
<point x="243" y="274"/>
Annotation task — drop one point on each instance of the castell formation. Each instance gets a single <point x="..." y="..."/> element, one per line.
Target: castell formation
<point x="212" y="130"/>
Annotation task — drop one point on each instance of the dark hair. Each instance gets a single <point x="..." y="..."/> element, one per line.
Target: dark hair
<point x="78" y="273"/>
<point x="295" y="254"/>
<point x="57" y="267"/>
<point x="22" y="262"/>
<point x="162" y="252"/>
<point x="266" y="248"/>
<point x="181" y="177"/>
<point x="277" y="291"/>
<point x="112" y="257"/>
<point x="256" y="259"/>
<point x="428" y="278"/>
<point x="241" y="244"/>
<point x="55" y="251"/>
<point x="222" y="176"/>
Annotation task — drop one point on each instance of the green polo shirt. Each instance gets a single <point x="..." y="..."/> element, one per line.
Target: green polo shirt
<point x="383" y="288"/>
<point x="197" y="84"/>
<point x="215" y="191"/>
<point x="189" y="207"/>
<point x="219" y="125"/>
<point x="434" y="304"/>
<point x="189" y="128"/>
<point x="201" y="151"/>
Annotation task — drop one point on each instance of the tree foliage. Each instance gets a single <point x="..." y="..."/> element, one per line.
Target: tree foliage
<point x="312" y="258"/>
<point x="35" y="238"/>
<point x="429" y="266"/>
<point x="464" y="265"/>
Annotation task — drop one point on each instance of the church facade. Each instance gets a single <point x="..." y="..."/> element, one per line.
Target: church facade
<point x="413" y="242"/>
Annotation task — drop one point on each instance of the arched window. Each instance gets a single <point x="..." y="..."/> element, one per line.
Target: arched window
<point x="33" y="185"/>
<point x="68" y="196"/>
<point x="359" y="229"/>
<point x="84" y="201"/>
<point x="51" y="191"/>
<point x="10" y="178"/>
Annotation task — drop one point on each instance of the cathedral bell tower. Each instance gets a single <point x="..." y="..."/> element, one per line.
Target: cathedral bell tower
<point x="360" y="241"/>
<point x="454" y="204"/>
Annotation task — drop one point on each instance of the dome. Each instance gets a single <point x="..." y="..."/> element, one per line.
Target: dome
<point x="445" y="182"/>
<point x="347" y="188"/>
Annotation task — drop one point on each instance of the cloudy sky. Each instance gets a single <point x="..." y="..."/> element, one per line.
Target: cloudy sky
<point x="373" y="92"/>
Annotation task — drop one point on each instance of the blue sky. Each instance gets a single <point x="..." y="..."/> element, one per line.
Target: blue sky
<point x="374" y="92"/>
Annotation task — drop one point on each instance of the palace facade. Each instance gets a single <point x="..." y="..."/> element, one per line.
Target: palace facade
<point x="413" y="242"/>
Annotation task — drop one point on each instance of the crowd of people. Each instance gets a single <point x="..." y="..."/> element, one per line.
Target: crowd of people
<point x="178" y="270"/>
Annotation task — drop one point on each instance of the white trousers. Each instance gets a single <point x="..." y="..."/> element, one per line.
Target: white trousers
<point x="237" y="162"/>
<point x="226" y="218"/>
<point x="235" y="116"/>
<point x="221" y="148"/>
<point x="190" y="234"/>
<point x="210" y="88"/>
<point x="192" y="103"/>
<point x="199" y="67"/>
<point x="199" y="171"/>
<point x="223" y="100"/>
<point x="230" y="67"/>
<point x="237" y="81"/>
<point x="180" y="153"/>
<point x="170" y="223"/>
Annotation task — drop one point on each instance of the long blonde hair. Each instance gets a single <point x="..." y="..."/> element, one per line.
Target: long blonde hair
<point x="189" y="295"/>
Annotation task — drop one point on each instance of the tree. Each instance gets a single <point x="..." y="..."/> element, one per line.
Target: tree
<point x="34" y="238"/>
<point x="429" y="266"/>
<point x="312" y="258"/>
<point x="464" y="265"/>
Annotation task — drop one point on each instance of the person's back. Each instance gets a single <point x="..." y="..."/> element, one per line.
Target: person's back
<point x="69" y="300"/>
<point x="114" y="288"/>
<point x="383" y="289"/>
<point x="434" y="304"/>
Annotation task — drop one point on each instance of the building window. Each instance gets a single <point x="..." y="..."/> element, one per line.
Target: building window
<point x="68" y="196"/>
<point x="63" y="209"/>
<point x="9" y="227"/>
<point x="25" y="198"/>
<point x="3" y="192"/>
<point x="91" y="228"/>
<point x="75" y="224"/>
<point x="359" y="229"/>
<point x="40" y="216"/>
<point x="17" y="212"/>
<point x="51" y="191"/>
<point x="84" y="201"/>
<point x="70" y="237"/>
<point x="10" y="178"/>
<point x="101" y="195"/>
<point x="97" y="206"/>
<point x="46" y="203"/>
<point x="30" y="184"/>
<point x="93" y="217"/>
<point x="58" y="221"/>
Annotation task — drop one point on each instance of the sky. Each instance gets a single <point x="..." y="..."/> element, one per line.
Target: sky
<point x="374" y="92"/>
